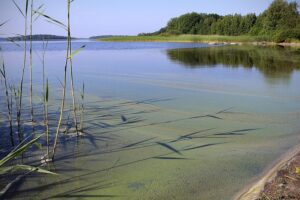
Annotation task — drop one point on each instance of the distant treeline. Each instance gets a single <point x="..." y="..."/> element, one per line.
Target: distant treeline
<point x="281" y="21"/>
<point x="38" y="37"/>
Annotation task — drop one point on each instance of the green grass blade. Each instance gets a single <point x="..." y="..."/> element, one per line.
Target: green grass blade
<point x="77" y="51"/>
<point x="15" y="168"/>
<point x="18" y="8"/>
<point x="3" y="23"/>
<point x="82" y="94"/>
<point x="39" y="8"/>
<point x="18" y="151"/>
<point x="55" y="21"/>
<point x="47" y="91"/>
<point x="38" y="16"/>
<point x="2" y="72"/>
<point x="27" y="3"/>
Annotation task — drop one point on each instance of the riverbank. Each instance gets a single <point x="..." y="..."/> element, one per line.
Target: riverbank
<point x="279" y="182"/>
<point x="210" y="39"/>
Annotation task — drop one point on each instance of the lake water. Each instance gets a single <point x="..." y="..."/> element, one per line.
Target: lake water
<point x="202" y="122"/>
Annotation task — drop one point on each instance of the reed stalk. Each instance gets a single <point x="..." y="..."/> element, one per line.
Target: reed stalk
<point x="30" y="64"/>
<point x="19" y="111"/>
<point x="9" y="104"/>
<point x="73" y="92"/>
<point x="46" y="100"/>
<point x="71" y="69"/>
<point x="82" y="108"/>
<point x="43" y="64"/>
<point x="64" y="84"/>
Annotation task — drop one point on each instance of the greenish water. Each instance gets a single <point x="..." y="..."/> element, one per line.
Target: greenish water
<point x="201" y="122"/>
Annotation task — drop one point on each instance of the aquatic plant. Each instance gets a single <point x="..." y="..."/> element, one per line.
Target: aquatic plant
<point x="17" y="92"/>
<point x="20" y="96"/>
<point x="9" y="104"/>
<point x="46" y="99"/>
<point x="30" y="63"/>
<point x="18" y="151"/>
<point x="82" y="108"/>
<point x="10" y="163"/>
<point x="64" y="83"/>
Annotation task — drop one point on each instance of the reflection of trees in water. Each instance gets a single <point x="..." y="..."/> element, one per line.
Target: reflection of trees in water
<point x="273" y="62"/>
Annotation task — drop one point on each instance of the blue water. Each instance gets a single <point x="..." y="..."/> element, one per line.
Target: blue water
<point x="242" y="104"/>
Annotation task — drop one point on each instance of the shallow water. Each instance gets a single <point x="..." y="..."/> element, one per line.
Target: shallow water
<point x="201" y="122"/>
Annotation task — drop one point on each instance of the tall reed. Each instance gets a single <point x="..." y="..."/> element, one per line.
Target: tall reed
<point x="19" y="111"/>
<point x="64" y="83"/>
<point x="71" y="70"/>
<point x="82" y="108"/>
<point x="30" y="52"/>
<point x="9" y="104"/>
<point x="43" y="71"/>
<point x="46" y="100"/>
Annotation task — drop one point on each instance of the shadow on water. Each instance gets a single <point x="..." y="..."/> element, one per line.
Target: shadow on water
<point x="273" y="62"/>
<point x="108" y="121"/>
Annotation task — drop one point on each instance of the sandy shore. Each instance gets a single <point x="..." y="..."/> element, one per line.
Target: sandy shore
<point x="253" y="191"/>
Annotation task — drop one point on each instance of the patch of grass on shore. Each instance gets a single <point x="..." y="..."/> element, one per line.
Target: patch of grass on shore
<point x="191" y="38"/>
<point x="188" y="38"/>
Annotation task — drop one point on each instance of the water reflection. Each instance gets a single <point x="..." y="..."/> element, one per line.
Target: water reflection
<point x="273" y="62"/>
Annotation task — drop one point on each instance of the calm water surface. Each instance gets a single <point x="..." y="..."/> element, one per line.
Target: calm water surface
<point x="202" y="122"/>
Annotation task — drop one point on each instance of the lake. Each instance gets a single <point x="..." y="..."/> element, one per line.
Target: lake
<point x="164" y="120"/>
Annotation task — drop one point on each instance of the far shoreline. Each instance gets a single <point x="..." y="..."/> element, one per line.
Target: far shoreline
<point x="206" y="39"/>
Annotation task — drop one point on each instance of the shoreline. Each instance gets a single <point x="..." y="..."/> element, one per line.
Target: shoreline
<point x="254" y="189"/>
<point x="285" y="44"/>
<point x="212" y="40"/>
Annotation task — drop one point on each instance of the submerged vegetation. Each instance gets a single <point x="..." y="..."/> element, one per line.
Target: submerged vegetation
<point x="35" y="133"/>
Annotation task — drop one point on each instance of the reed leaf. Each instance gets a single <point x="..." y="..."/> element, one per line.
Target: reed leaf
<point x="77" y="51"/>
<point x="15" y="168"/>
<point x="9" y="104"/>
<point x="82" y="94"/>
<point x="82" y="107"/>
<point x="38" y="16"/>
<point x="2" y="73"/>
<point x="50" y="19"/>
<point x="27" y="3"/>
<point x="18" y="7"/>
<point x="47" y="91"/>
<point x="3" y="23"/>
<point x="39" y="9"/>
<point x="18" y="151"/>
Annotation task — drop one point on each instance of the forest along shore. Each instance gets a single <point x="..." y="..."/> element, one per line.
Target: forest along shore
<point x="279" y="23"/>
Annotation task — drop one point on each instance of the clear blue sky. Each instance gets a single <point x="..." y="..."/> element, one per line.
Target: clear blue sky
<point x="119" y="17"/>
